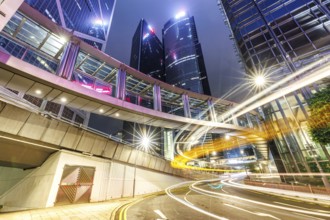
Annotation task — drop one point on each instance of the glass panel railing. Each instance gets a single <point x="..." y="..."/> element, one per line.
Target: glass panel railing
<point x="30" y="33"/>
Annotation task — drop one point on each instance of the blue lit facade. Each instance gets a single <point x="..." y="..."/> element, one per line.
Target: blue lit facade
<point x="90" y="19"/>
<point x="147" y="57"/>
<point x="147" y="52"/>
<point x="278" y="34"/>
<point x="279" y="38"/>
<point x="184" y="62"/>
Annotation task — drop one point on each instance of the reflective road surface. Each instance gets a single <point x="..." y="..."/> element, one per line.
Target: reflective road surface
<point x="222" y="200"/>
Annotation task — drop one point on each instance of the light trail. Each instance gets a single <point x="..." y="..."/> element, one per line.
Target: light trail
<point x="253" y="213"/>
<point x="314" y="210"/>
<point x="157" y="211"/>
<point x="301" y="78"/>
<point x="219" y="195"/>
<point x="276" y="85"/>
<point x="287" y="174"/>
<point x="171" y="195"/>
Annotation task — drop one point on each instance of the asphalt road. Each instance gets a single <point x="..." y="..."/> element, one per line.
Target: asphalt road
<point x="217" y="201"/>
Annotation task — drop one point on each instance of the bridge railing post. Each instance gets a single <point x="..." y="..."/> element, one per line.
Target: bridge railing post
<point x="186" y="106"/>
<point x="157" y="98"/>
<point x="211" y="111"/>
<point x="121" y="84"/>
<point x="68" y="60"/>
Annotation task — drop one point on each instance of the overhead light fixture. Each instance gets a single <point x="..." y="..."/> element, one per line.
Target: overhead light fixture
<point x="38" y="92"/>
<point x="101" y="110"/>
<point x="117" y="114"/>
<point x="63" y="99"/>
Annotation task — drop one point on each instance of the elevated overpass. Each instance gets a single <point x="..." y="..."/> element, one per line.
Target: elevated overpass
<point x="55" y="66"/>
<point x="55" y="162"/>
<point x="63" y="69"/>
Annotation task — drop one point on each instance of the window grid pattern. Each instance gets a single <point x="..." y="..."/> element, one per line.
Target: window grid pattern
<point x="299" y="25"/>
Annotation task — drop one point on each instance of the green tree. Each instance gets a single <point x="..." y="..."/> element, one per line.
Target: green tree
<point x="319" y="121"/>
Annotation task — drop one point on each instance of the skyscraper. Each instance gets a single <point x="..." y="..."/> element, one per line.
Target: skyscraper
<point x="147" y="52"/>
<point x="147" y="57"/>
<point x="89" y="20"/>
<point x="278" y="35"/>
<point x="278" y="38"/>
<point x="184" y="62"/>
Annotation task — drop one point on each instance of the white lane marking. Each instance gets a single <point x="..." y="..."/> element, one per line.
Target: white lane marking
<point x="309" y="217"/>
<point x="185" y="198"/>
<point x="314" y="210"/>
<point x="266" y="215"/>
<point x="160" y="214"/>
<point x="224" y="191"/>
<point x="253" y="213"/>
<point x="199" y="190"/>
<point x="169" y="193"/>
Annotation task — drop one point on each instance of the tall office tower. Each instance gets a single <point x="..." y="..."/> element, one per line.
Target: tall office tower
<point x="147" y="52"/>
<point x="147" y="57"/>
<point x="278" y="38"/>
<point x="184" y="62"/>
<point x="88" y="19"/>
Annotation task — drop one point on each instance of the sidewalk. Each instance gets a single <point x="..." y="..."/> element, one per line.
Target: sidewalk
<point x="97" y="211"/>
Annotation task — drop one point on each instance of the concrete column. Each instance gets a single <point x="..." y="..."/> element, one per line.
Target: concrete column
<point x="59" y="115"/>
<point x="68" y="60"/>
<point x="86" y="120"/>
<point x="186" y="106"/>
<point x="121" y="84"/>
<point x="7" y="10"/>
<point x="43" y="105"/>
<point x="157" y="97"/>
<point x="211" y="110"/>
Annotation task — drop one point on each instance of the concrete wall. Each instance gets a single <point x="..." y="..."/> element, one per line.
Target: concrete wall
<point x="38" y="189"/>
<point x="9" y="177"/>
<point x="32" y="190"/>
<point x="58" y="134"/>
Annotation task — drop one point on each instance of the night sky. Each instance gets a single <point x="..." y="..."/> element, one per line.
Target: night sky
<point x="221" y="63"/>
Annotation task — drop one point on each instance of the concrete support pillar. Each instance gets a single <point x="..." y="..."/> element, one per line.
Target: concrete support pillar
<point x="86" y="120"/>
<point x="43" y="105"/>
<point x="157" y="97"/>
<point x="211" y="110"/>
<point x="121" y="85"/>
<point x="186" y="106"/>
<point x="68" y="60"/>
<point x="60" y="113"/>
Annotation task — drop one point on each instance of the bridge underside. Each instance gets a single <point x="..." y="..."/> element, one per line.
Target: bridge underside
<point x="20" y="153"/>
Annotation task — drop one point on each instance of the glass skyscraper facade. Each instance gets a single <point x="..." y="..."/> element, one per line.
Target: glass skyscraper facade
<point x="184" y="62"/>
<point x="278" y="34"/>
<point x="147" y="52"/>
<point x="89" y="19"/>
<point x="147" y="57"/>
<point x="279" y="38"/>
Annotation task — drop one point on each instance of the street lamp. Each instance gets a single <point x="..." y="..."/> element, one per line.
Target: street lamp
<point x="145" y="142"/>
